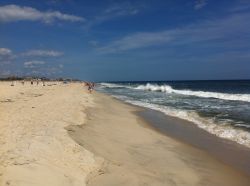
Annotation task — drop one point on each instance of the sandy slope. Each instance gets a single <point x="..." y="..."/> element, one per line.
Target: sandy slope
<point x="35" y="148"/>
<point x="136" y="155"/>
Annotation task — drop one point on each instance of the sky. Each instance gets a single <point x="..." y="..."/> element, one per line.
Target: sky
<point x="136" y="40"/>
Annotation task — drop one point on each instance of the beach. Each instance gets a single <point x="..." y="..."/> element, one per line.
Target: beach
<point x="62" y="135"/>
<point x="35" y="147"/>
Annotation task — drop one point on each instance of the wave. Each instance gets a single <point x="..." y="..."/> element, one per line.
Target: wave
<point x="223" y="130"/>
<point x="217" y="95"/>
<point x="242" y="125"/>
<point x="112" y="85"/>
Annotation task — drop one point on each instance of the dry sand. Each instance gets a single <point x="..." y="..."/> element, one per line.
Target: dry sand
<point x="35" y="148"/>
<point x="60" y="135"/>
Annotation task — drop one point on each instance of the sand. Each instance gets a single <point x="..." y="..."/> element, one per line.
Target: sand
<point x="35" y="147"/>
<point x="227" y="151"/>
<point x="62" y="135"/>
<point x="137" y="155"/>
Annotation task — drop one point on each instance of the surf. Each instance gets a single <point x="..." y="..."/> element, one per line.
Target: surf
<point x="223" y="130"/>
<point x="204" y="94"/>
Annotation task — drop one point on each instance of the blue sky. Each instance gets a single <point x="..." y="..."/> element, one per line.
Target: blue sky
<point x="126" y="40"/>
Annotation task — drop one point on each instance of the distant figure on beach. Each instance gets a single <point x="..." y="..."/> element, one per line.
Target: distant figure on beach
<point x="37" y="82"/>
<point x="90" y="86"/>
<point x="31" y="82"/>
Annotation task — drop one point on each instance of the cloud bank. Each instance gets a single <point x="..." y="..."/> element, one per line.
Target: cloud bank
<point x="5" y="51"/>
<point x="225" y="29"/>
<point x="6" y="55"/>
<point x="43" y="53"/>
<point x="33" y="64"/>
<point x="115" y="11"/>
<point x="13" y="13"/>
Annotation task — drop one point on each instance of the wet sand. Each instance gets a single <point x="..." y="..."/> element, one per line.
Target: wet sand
<point x="226" y="151"/>
<point x="134" y="154"/>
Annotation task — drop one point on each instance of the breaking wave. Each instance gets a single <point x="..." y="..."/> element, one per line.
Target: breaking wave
<point x="111" y="85"/>
<point x="217" y="95"/>
<point x="223" y="130"/>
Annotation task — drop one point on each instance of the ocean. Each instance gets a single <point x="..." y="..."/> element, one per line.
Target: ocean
<point x="219" y="107"/>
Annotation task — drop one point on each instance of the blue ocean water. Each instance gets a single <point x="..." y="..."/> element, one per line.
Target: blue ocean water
<point x="220" y="107"/>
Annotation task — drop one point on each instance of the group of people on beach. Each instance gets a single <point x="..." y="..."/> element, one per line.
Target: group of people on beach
<point x="31" y="82"/>
<point x="90" y="86"/>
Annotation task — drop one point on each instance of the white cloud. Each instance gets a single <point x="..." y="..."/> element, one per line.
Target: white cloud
<point x="200" y="4"/>
<point x="42" y="68"/>
<point x="6" y="55"/>
<point x="4" y="73"/>
<point x="225" y="29"/>
<point x="138" y="40"/>
<point x="121" y="10"/>
<point x="43" y="53"/>
<point x="115" y="11"/>
<point x="5" y="52"/>
<point x="12" y="13"/>
<point x="33" y="64"/>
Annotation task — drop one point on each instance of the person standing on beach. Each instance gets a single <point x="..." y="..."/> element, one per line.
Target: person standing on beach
<point x="90" y="86"/>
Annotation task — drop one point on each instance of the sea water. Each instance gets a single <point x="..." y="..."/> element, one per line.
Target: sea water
<point x="219" y="107"/>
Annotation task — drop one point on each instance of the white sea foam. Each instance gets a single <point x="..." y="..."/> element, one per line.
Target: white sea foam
<point x="112" y="85"/>
<point x="217" y="95"/>
<point x="220" y="130"/>
<point x="243" y="125"/>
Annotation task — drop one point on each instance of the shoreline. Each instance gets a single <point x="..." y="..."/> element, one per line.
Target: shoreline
<point x="223" y="129"/>
<point x="225" y="150"/>
<point x="59" y="134"/>
<point x="132" y="151"/>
